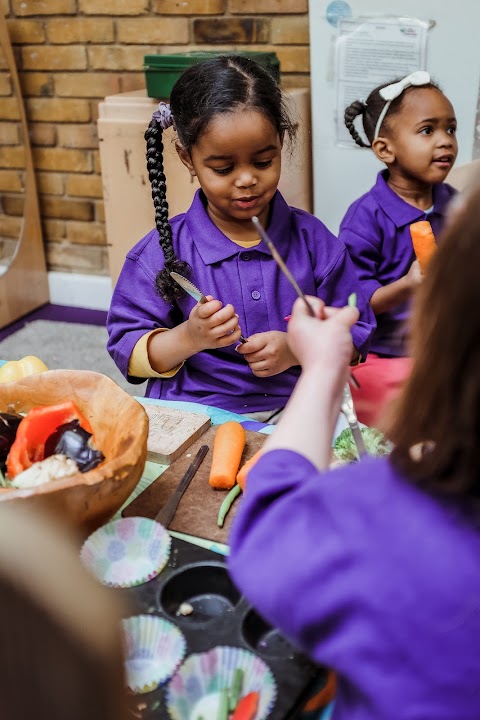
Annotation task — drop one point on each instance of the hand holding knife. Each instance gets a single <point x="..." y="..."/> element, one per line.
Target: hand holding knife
<point x="194" y="292"/>
<point x="347" y="406"/>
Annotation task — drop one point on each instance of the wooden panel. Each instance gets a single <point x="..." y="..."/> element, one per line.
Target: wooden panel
<point x="172" y="431"/>
<point x="198" y="509"/>
<point x="24" y="286"/>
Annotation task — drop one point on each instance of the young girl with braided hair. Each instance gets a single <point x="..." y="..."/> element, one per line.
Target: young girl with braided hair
<point x="410" y="126"/>
<point x="230" y="119"/>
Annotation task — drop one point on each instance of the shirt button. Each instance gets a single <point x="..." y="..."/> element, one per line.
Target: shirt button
<point x="256" y="295"/>
<point x="246" y="256"/>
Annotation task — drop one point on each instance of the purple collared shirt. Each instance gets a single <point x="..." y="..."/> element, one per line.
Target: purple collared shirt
<point x="252" y="282"/>
<point x="369" y="575"/>
<point x="376" y="231"/>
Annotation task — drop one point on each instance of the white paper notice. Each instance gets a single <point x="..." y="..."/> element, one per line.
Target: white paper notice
<point x="373" y="51"/>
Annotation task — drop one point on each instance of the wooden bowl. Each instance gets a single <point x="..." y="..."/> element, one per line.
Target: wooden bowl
<point x="120" y="427"/>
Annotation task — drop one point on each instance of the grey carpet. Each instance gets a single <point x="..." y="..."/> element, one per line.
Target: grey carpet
<point x="63" y="345"/>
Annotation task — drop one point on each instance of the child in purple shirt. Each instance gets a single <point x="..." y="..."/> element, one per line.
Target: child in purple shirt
<point x="411" y="127"/>
<point x="231" y="122"/>
<point x="373" y="569"/>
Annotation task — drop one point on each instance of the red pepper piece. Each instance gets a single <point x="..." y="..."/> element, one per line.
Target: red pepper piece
<point x="247" y="707"/>
<point x="32" y="432"/>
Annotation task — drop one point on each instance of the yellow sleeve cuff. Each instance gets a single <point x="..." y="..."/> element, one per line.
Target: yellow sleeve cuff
<point x="139" y="364"/>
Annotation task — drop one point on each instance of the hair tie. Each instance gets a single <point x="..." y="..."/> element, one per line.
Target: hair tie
<point x="163" y="115"/>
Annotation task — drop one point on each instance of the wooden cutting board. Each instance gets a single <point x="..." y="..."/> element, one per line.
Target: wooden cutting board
<point x="198" y="509"/>
<point x="172" y="431"/>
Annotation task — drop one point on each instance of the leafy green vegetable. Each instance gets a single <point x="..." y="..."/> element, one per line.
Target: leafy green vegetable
<point x="375" y="442"/>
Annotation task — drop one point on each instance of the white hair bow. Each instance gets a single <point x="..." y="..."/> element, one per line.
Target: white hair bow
<point x="393" y="91"/>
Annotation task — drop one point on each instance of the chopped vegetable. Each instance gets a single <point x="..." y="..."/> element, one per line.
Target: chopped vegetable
<point x="18" y="369"/>
<point x="352" y="300"/>
<point x="185" y="609"/>
<point x="245" y="469"/>
<point x="423" y="241"/>
<point x="227" y="504"/>
<point x="9" y="423"/>
<point x="223" y="705"/>
<point x="73" y="441"/>
<point x="236" y="688"/>
<point x="228" y="447"/>
<point x="247" y="707"/>
<point x="54" y="467"/>
<point x="33" y="431"/>
<point x="345" y="450"/>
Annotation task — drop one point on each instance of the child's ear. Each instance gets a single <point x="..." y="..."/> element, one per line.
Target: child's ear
<point x="383" y="149"/>
<point x="185" y="158"/>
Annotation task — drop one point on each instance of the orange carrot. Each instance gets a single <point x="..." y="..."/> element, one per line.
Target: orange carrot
<point x="247" y="707"/>
<point x="228" y="447"/>
<point x="424" y="243"/>
<point x="323" y="696"/>
<point x="245" y="469"/>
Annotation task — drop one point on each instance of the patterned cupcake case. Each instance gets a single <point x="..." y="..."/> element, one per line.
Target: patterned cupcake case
<point x="154" y="648"/>
<point x="127" y="552"/>
<point x="196" y="688"/>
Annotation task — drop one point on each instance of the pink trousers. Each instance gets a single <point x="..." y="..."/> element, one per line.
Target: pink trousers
<point x="380" y="381"/>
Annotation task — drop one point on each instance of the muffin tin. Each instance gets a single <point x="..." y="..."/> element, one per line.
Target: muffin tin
<point x="196" y="582"/>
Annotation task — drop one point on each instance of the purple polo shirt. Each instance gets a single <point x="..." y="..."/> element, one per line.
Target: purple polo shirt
<point x="252" y="282"/>
<point x="376" y="231"/>
<point x="370" y="576"/>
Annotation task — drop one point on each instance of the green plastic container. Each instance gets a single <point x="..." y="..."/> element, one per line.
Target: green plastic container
<point x="162" y="71"/>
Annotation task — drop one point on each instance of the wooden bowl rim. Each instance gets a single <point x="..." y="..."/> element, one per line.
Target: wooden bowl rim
<point x="105" y="471"/>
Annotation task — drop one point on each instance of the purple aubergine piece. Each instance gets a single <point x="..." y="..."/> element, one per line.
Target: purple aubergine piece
<point x="9" y="423"/>
<point x="73" y="441"/>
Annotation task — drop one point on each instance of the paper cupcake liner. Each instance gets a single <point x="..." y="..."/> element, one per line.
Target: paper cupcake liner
<point x="194" y="691"/>
<point x="127" y="552"/>
<point x="154" y="648"/>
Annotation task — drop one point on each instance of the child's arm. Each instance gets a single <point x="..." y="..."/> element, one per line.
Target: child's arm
<point x="209" y="326"/>
<point x="137" y="311"/>
<point x="397" y="292"/>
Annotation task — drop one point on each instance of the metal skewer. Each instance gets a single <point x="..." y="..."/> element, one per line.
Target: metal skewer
<point x="348" y="408"/>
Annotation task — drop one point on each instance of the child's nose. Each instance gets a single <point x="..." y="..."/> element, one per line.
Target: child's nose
<point x="245" y="178"/>
<point x="446" y="139"/>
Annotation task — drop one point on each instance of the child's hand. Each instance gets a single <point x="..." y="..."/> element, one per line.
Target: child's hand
<point x="211" y="325"/>
<point x="414" y="276"/>
<point x="322" y="343"/>
<point x="268" y="353"/>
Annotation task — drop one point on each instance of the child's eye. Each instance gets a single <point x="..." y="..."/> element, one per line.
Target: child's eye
<point x="426" y="131"/>
<point x="263" y="164"/>
<point x="452" y="130"/>
<point x="222" y="171"/>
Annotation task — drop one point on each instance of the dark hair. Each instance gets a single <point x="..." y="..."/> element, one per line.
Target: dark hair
<point x="211" y="87"/>
<point x="439" y="410"/>
<point x="370" y="111"/>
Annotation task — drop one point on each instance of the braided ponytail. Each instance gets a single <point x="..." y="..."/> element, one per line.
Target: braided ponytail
<point x="167" y="288"/>
<point x="356" y="108"/>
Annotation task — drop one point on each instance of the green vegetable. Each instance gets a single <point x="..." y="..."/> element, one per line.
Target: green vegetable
<point x="352" y="300"/>
<point x="227" y="503"/>
<point x="375" y="441"/>
<point x="222" y="713"/>
<point x="236" y="688"/>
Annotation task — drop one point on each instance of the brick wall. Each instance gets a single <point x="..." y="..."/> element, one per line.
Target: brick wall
<point x="71" y="54"/>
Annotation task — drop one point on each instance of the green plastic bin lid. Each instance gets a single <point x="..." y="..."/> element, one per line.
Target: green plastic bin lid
<point x="181" y="61"/>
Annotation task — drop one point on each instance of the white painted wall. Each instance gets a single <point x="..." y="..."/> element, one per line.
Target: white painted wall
<point x="342" y="174"/>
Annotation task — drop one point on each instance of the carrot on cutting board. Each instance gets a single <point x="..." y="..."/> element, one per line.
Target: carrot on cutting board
<point x="245" y="469"/>
<point x="228" y="447"/>
<point x="423" y="241"/>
